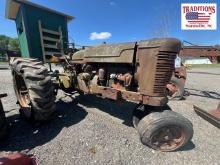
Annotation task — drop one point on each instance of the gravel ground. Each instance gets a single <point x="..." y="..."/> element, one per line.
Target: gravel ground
<point x="91" y="130"/>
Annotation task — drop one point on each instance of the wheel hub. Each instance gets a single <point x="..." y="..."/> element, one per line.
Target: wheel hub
<point x="168" y="138"/>
<point x="22" y="94"/>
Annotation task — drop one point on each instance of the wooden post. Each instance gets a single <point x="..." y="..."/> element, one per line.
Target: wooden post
<point x="61" y="40"/>
<point x="42" y="41"/>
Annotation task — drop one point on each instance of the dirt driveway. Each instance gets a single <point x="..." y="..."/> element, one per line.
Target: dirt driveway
<point x="91" y="130"/>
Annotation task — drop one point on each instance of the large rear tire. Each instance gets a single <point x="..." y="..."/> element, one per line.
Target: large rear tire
<point x="165" y="131"/>
<point x="3" y="123"/>
<point x="33" y="88"/>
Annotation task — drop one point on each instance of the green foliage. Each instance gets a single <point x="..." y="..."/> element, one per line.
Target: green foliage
<point x="7" y="43"/>
<point x="13" y="44"/>
<point x="4" y="42"/>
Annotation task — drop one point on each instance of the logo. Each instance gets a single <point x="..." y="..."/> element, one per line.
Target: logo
<point x="198" y="16"/>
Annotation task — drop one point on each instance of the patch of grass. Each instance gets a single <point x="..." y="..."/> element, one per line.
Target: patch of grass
<point x="203" y="66"/>
<point x="3" y="62"/>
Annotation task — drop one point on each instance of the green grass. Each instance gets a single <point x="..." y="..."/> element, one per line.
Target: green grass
<point x="1" y="62"/>
<point x="204" y="65"/>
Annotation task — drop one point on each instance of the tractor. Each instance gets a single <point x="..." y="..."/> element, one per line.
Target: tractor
<point x="135" y="71"/>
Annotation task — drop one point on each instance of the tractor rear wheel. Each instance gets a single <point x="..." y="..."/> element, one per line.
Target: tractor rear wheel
<point x="3" y="123"/>
<point x="33" y="88"/>
<point x="165" y="131"/>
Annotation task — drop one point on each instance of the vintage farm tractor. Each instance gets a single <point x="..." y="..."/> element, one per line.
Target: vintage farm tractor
<point x="136" y="71"/>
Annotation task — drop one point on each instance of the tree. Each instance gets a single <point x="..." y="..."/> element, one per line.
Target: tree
<point x="4" y="42"/>
<point x="7" y="43"/>
<point x="13" y="44"/>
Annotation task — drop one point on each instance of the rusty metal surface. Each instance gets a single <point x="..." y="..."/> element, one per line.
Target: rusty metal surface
<point x="110" y="50"/>
<point x="117" y="94"/>
<point x="199" y="51"/>
<point x="212" y="117"/>
<point x="181" y="72"/>
<point x="156" y="66"/>
<point x="155" y="101"/>
<point x="164" y="70"/>
<point x="123" y="53"/>
<point x="132" y="96"/>
<point x="78" y="56"/>
<point x="107" y="53"/>
<point x="215" y="113"/>
<point x="110" y="93"/>
<point x="168" y="138"/>
<point x="165" y="44"/>
<point x="172" y="89"/>
<point x="146" y="70"/>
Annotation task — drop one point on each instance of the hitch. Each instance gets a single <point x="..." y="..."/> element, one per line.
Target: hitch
<point x="212" y="116"/>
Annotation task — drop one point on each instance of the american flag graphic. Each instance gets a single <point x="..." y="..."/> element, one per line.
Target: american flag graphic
<point x="196" y="17"/>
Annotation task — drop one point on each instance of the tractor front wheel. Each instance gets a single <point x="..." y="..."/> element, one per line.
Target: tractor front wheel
<point x="142" y="110"/>
<point x="165" y="131"/>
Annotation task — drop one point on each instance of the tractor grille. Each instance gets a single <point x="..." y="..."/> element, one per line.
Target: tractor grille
<point x="164" y="70"/>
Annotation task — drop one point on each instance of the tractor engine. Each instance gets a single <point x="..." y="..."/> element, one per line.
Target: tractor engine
<point x="136" y="71"/>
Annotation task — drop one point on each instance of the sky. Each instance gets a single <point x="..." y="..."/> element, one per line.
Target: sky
<point x="115" y="21"/>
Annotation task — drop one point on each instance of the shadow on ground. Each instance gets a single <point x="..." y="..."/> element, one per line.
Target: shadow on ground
<point x="119" y="109"/>
<point x="187" y="147"/>
<point x="23" y="136"/>
<point x="203" y="73"/>
<point x="201" y="93"/>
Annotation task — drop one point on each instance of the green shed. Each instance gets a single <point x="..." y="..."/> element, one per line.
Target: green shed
<point x="42" y="32"/>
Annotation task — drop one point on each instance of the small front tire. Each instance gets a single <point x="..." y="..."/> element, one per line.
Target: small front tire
<point x="165" y="131"/>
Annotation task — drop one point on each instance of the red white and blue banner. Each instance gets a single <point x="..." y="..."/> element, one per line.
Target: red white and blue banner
<point x="198" y="16"/>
